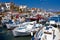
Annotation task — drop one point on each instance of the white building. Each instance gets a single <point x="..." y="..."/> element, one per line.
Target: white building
<point x="8" y="6"/>
<point x="22" y="6"/>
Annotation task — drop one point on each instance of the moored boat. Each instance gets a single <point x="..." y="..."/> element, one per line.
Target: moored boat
<point x="26" y="29"/>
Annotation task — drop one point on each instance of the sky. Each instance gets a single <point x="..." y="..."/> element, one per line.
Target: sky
<point x="49" y="5"/>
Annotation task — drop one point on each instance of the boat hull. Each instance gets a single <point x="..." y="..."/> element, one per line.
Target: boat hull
<point x="15" y="33"/>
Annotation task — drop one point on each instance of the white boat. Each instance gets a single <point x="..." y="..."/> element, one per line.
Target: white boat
<point x="46" y="33"/>
<point x="25" y="29"/>
<point x="10" y="26"/>
<point x="4" y="21"/>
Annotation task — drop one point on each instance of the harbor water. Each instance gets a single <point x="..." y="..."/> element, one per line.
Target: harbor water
<point x="6" y="34"/>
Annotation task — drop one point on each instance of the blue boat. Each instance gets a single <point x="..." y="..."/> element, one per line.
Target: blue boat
<point x="55" y="18"/>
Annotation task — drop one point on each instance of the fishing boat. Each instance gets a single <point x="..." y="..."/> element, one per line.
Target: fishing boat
<point x="12" y="24"/>
<point x="25" y="29"/>
<point x="5" y="19"/>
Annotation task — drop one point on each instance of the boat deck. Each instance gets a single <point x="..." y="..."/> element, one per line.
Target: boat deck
<point x="57" y="33"/>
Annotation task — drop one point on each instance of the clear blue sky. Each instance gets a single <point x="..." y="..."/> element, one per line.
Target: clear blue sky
<point x="50" y="5"/>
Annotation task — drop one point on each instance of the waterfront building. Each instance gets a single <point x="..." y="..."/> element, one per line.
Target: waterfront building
<point x="22" y="8"/>
<point x="8" y="6"/>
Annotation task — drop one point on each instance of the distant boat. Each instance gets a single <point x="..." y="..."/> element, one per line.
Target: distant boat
<point x="54" y="20"/>
<point x="37" y="17"/>
<point x="12" y="25"/>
